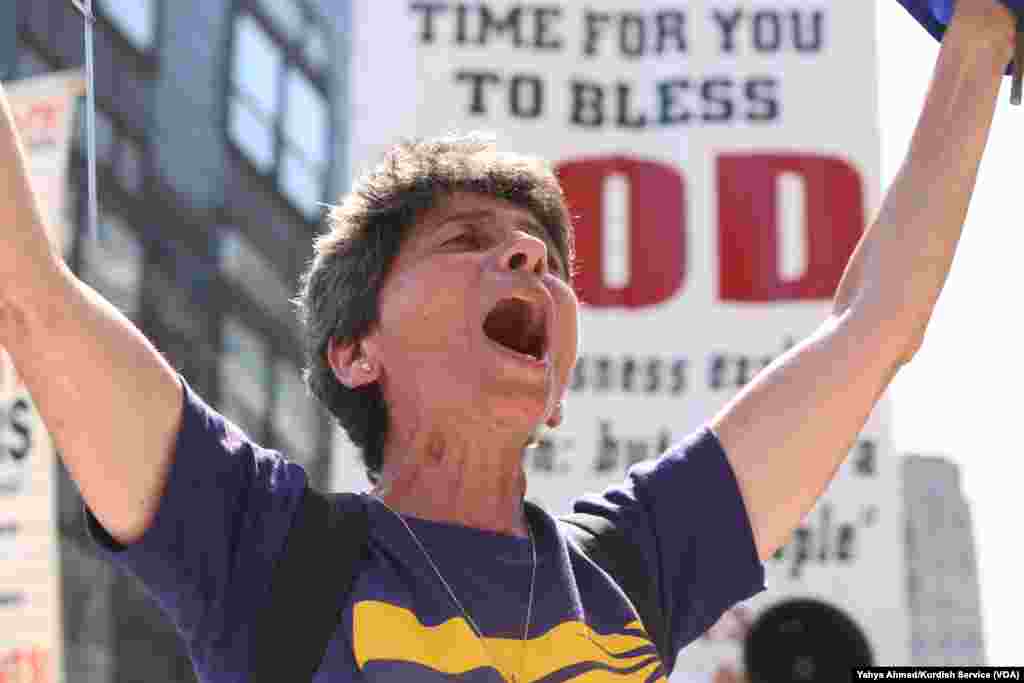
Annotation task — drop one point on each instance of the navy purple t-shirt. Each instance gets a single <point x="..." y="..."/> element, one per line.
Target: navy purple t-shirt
<point x="224" y="516"/>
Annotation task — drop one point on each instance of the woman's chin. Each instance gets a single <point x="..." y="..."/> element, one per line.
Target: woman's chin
<point x="508" y="389"/>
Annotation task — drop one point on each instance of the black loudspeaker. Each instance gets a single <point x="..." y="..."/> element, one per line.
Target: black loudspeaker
<point x="800" y="641"/>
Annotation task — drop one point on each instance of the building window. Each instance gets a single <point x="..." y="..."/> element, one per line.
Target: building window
<point x="295" y="418"/>
<point x="175" y="314"/>
<point x="256" y="68"/>
<point x="286" y="14"/>
<point x="278" y="110"/>
<point x="136" y="19"/>
<point x="243" y="264"/>
<point x="245" y="377"/>
<point x="176" y="306"/>
<point x="130" y="169"/>
<point x="304" y="154"/>
<point x="112" y="264"/>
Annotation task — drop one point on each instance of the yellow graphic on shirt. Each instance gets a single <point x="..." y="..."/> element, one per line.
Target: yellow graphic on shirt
<point x="386" y="632"/>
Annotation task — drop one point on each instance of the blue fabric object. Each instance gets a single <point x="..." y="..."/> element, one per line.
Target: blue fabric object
<point x="223" y="518"/>
<point x="933" y="14"/>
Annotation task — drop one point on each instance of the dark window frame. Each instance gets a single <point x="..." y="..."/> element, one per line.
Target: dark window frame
<point x="292" y="52"/>
<point x="28" y="40"/>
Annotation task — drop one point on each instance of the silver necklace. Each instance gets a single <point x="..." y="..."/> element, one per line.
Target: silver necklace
<point x="476" y="629"/>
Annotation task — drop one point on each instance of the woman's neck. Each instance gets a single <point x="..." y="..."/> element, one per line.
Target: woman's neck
<point x="450" y="480"/>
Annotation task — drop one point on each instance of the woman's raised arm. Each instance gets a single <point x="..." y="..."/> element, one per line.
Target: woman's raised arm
<point x="788" y="431"/>
<point x="110" y="401"/>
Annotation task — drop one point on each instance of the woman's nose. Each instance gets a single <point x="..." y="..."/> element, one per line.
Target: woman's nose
<point x="525" y="252"/>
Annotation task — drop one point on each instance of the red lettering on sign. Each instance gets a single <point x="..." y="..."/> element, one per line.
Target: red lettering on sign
<point x="656" y="223"/>
<point x="748" y="230"/>
<point x="41" y="115"/>
<point x="26" y="665"/>
<point x="748" y="227"/>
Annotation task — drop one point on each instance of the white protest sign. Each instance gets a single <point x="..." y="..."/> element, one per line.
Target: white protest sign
<point x="721" y="161"/>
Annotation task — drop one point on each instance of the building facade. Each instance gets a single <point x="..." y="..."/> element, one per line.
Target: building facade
<point x="220" y="131"/>
<point x="942" y="565"/>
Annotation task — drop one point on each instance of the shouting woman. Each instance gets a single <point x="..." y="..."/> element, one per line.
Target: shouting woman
<point x="441" y="329"/>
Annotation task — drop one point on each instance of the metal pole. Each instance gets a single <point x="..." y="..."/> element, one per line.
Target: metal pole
<point x="90" y="114"/>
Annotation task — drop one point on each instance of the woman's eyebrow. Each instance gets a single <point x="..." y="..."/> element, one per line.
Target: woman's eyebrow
<point x="471" y="215"/>
<point x="427" y="232"/>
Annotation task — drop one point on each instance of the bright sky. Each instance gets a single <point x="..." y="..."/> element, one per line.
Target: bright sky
<point x="956" y="397"/>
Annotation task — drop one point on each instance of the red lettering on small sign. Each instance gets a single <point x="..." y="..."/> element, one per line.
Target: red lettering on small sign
<point x="25" y="666"/>
<point x="40" y="115"/>
<point x="38" y="123"/>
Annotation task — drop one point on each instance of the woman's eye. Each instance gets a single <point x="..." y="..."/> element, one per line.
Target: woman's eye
<point x="462" y="238"/>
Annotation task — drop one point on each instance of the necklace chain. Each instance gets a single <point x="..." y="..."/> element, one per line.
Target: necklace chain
<point x="465" y="612"/>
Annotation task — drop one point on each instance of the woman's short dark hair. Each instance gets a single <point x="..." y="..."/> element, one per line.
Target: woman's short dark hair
<point x="339" y="295"/>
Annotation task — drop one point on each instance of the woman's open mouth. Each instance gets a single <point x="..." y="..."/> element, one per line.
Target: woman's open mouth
<point x="519" y="326"/>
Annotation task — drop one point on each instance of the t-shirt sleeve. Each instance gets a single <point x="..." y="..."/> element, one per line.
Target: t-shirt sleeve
<point x="685" y="512"/>
<point x="221" y="523"/>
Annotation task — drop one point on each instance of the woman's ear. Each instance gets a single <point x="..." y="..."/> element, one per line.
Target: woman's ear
<point x="352" y="365"/>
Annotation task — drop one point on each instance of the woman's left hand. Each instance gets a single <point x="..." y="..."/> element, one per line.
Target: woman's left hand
<point x="985" y="22"/>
